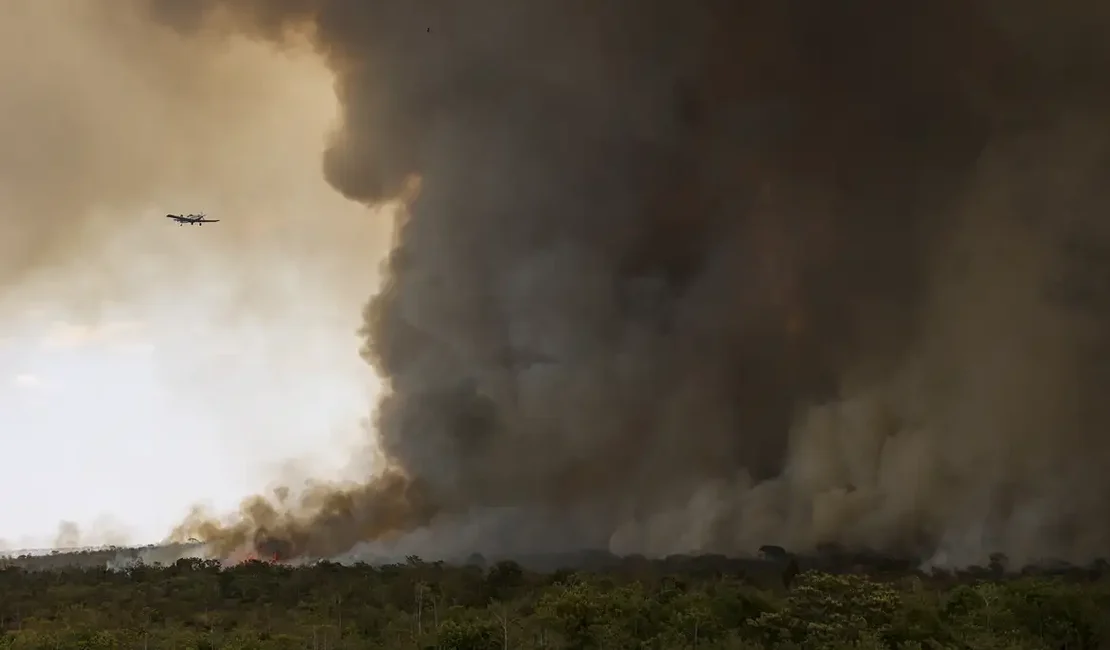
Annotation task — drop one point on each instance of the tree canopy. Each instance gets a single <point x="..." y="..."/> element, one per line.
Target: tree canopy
<point x="634" y="603"/>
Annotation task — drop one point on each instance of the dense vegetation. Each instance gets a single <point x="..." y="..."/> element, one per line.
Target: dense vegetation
<point x="630" y="603"/>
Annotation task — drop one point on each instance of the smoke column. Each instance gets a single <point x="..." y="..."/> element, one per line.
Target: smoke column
<point x="700" y="276"/>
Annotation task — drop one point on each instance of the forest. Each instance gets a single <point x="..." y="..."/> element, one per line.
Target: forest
<point x="781" y="601"/>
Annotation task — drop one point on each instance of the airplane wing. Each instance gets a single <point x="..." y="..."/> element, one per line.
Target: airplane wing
<point x="190" y="218"/>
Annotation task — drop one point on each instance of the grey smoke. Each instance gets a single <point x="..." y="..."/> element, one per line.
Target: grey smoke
<point x="703" y="276"/>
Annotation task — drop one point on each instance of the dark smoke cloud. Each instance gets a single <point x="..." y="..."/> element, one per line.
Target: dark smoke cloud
<point x="707" y="275"/>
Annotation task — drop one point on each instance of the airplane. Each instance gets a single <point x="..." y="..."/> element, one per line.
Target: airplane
<point x="190" y="219"/>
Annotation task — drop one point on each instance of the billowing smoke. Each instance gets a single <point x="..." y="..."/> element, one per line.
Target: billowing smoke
<point x="707" y="275"/>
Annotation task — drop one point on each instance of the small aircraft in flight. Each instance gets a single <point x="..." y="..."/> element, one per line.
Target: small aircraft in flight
<point x="190" y="219"/>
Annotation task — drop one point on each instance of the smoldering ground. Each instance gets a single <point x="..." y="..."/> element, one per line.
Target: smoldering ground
<point x="709" y="275"/>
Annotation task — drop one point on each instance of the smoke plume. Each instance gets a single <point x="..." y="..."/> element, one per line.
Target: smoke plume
<point x="105" y="531"/>
<point x="700" y="276"/>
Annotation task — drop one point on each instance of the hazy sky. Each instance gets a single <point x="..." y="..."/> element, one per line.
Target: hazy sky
<point x="145" y="367"/>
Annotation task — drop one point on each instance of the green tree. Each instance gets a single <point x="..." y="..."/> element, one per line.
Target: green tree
<point x="469" y="634"/>
<point x="824" y="610"/>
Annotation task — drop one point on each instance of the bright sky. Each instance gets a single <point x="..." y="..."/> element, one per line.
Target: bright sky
<point x="166" y="366"/>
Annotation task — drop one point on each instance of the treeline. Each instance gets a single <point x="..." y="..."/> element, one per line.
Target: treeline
<point x="96" y="557"/>
<point x="197" y="604"/>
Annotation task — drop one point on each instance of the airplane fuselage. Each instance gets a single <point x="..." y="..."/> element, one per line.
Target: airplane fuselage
<point x="191" y="219"/>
